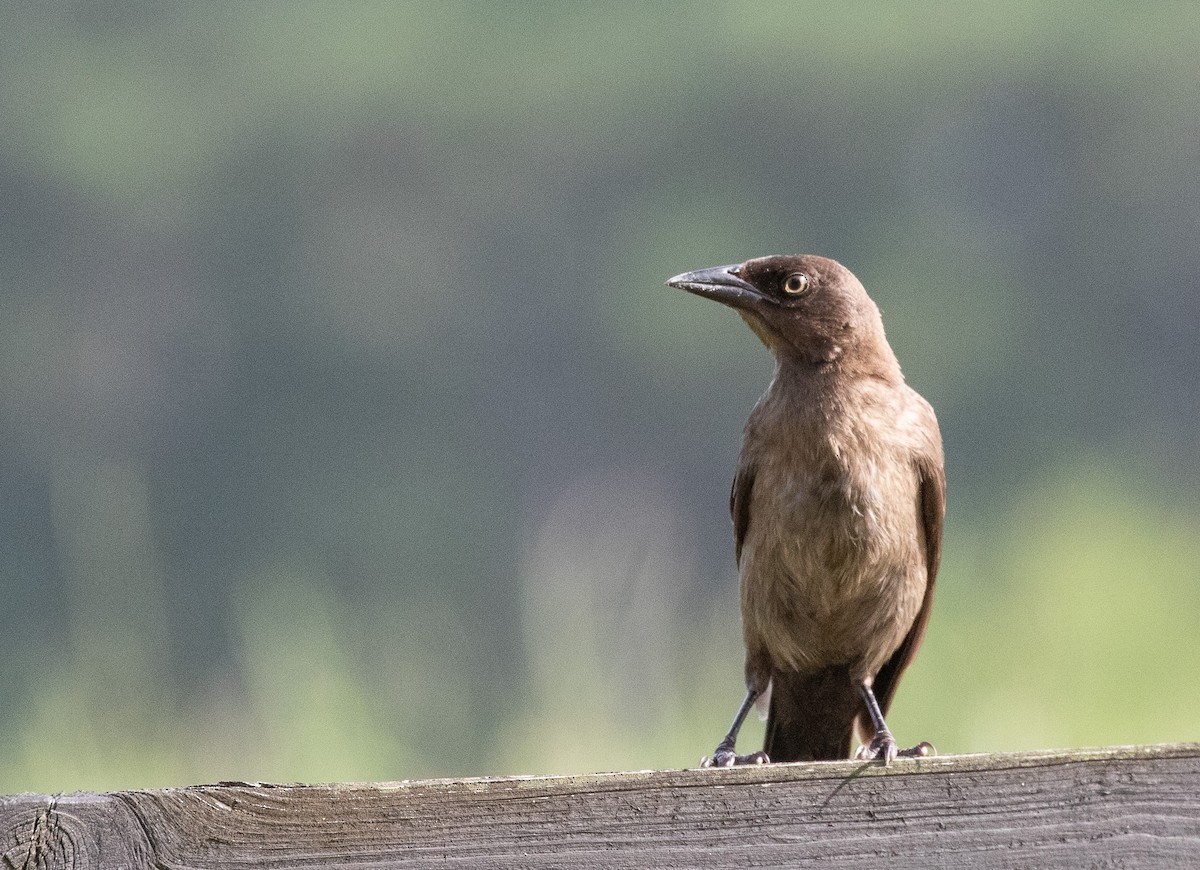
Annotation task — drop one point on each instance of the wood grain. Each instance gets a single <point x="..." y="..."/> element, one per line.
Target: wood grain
<point x="1117" y="807"/>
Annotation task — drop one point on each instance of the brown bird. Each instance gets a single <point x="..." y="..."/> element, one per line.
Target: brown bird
<point x="837" y="510"/>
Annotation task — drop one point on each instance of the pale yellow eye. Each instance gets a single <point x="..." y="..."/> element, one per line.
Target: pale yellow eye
<point x="796" y="284"/>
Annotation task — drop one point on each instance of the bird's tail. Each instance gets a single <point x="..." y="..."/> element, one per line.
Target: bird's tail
<point x="812" y="715"/>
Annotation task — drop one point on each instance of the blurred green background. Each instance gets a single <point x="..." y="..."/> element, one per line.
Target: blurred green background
<point x="347" y="431"/>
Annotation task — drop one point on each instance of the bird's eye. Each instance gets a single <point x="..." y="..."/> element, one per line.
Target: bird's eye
<point x="796" y="283"/>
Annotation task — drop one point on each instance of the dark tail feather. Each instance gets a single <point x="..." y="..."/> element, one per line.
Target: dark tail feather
<point x="811" y="717"/>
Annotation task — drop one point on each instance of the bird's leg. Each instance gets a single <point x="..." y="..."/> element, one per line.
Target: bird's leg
<point x="883" y="744"/>
<point x="724" y="755"/>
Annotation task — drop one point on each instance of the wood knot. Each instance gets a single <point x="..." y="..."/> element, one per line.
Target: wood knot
<point x="46" y="838"/>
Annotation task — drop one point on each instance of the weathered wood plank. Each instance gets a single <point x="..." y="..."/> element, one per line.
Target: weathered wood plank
<point x="1119" y="807"/>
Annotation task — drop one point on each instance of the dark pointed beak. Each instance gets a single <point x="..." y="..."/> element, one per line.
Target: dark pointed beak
<point x="721" y="283"/>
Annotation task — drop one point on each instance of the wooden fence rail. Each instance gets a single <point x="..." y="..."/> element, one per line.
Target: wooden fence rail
<point x="1118" y="807"/>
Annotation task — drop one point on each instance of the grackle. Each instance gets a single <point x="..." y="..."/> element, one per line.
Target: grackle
<point x="837" y="509"/>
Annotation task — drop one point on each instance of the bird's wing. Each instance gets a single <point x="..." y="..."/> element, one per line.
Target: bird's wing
<point x="932" y="481"/>
<point x="739" y="504"/>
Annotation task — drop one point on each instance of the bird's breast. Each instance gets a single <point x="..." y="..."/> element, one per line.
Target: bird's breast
<point x="832" y="568"/>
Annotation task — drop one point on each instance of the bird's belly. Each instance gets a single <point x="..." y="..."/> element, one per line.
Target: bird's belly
<point x="832" y="576"/>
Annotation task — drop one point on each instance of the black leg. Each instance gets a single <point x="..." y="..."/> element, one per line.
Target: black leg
<point x="724" y="755"/>
<point x="883" y="744"/>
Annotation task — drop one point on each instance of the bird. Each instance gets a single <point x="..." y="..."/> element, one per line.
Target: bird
<point x="837" y="504"/>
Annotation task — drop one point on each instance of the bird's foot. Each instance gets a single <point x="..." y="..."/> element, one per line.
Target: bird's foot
<point x="725" y="757"/>
<point x="883" y="746"/>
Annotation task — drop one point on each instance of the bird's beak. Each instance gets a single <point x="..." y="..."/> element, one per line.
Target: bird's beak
<point x="721" y="283"/>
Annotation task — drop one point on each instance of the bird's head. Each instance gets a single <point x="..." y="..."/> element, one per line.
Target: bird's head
<point x="805" y="308"/>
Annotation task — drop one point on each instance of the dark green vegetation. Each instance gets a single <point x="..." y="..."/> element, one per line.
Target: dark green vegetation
<point x="348" y="432"/>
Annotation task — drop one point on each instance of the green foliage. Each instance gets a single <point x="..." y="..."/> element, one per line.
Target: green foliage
<point x="349" y="432"/>
<point x="1066" y="622"/>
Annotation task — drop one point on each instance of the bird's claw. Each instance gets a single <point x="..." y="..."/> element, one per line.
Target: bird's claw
<point x="924" y="749"/>
<point x="728" y="758"/>
<point x="883" y="746"/>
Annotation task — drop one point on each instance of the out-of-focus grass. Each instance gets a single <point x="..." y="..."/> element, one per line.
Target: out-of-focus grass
<point x="1064" y="623"/>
